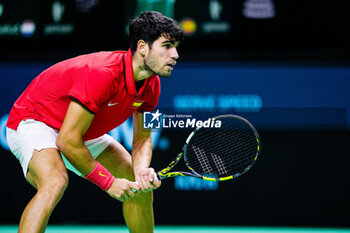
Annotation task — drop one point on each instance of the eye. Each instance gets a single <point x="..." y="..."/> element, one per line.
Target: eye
<point x="168" y="46"/>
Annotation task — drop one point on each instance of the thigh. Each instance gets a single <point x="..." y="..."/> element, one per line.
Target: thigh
<point x="46" y="168"/>
<point x="117" y="160"/>
<point x="30" y="135"/>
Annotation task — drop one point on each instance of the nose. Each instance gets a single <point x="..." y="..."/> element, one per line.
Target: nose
<point x="174" y="55"/>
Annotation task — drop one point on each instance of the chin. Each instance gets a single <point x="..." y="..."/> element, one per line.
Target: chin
<point x="164" y="75"/>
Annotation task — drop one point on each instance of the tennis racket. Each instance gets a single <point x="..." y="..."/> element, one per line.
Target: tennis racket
<point x="218" y="154"/>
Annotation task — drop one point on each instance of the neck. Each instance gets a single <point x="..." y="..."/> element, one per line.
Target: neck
<point x="140" y="71"/>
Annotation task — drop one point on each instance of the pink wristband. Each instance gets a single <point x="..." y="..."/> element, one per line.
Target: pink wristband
<point x="101" y="177"/>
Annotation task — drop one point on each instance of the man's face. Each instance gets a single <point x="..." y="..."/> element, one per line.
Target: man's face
<point x="162" y="56"/>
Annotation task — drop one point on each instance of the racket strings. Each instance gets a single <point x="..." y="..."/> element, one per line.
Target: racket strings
<point x="225" y="151"/>
<point x="203" y="160"/>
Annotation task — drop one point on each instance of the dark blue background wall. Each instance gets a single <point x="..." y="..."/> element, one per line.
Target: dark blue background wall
<point x="300" y="110"/>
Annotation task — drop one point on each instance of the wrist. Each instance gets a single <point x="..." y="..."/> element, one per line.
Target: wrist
<point x="101" y="177"/>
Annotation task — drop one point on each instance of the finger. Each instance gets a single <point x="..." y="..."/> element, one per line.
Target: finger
<point x="138" y="180"/>
<point x="125" y="196"/>
<point x="157" y="183"/>
<point x="151" y="179"/>
<point x="142" y="181"/>
<point x="130" y="193"/>
<point x="143" y="186"/>
<point x="152" y="185"/>
<point x="134" y="186"/>
<point x="152" y="175"/>
<point x="146" y="184"/>
<point x="139" y="185"/>
<point x="121" y="199"/>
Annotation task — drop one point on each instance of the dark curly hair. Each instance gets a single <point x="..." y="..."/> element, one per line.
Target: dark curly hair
<point x="150" y="25"/>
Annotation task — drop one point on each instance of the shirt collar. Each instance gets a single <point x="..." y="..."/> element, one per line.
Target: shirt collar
<point x="129" y="76"/>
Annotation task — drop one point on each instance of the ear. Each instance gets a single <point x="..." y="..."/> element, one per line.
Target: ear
<point x="142" y="47"/>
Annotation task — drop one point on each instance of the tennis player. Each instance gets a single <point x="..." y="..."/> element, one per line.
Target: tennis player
<point x="62" y="119"/>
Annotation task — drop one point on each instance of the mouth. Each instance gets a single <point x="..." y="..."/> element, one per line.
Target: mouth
<point x="171" y="65"/>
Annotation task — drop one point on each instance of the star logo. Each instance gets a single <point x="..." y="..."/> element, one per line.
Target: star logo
<point x="156" y="115"/>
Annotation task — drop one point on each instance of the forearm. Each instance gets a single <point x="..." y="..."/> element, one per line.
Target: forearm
<point x="141" y="154"/>
<point x="141" y="160"/>
<point x="70" y="138"/>
<point x="76" y="153"/>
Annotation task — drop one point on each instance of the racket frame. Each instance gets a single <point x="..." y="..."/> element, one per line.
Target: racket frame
<point x="164" y="173"/>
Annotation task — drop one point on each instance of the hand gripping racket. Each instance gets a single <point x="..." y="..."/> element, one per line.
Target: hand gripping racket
<point x="218" y="154"/>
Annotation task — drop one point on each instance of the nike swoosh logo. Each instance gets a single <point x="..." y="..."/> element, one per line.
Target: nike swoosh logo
<point x="101" y="174"/>
<point x="112" y="104"/>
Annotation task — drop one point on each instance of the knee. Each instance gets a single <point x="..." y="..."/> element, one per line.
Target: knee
<point x="60" y="183"/>
<point x="142" y="198"/>
<point x="55" y="186"/>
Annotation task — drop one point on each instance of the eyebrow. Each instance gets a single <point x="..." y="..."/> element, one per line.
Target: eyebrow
<point x="169" y="41"/>
<point x="173" y="42"/>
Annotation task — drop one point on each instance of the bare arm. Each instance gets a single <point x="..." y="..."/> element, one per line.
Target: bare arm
<point x="70" y="143"/>
<point x="142" y="155"/>
<point x="70" y="138"/>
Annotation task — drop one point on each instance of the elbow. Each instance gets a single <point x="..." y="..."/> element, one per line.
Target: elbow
<point x="60" y="143"/>
<point x="64" y="143"/>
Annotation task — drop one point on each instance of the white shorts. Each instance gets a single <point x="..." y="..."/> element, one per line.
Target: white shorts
<point x="34" y="135"/>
